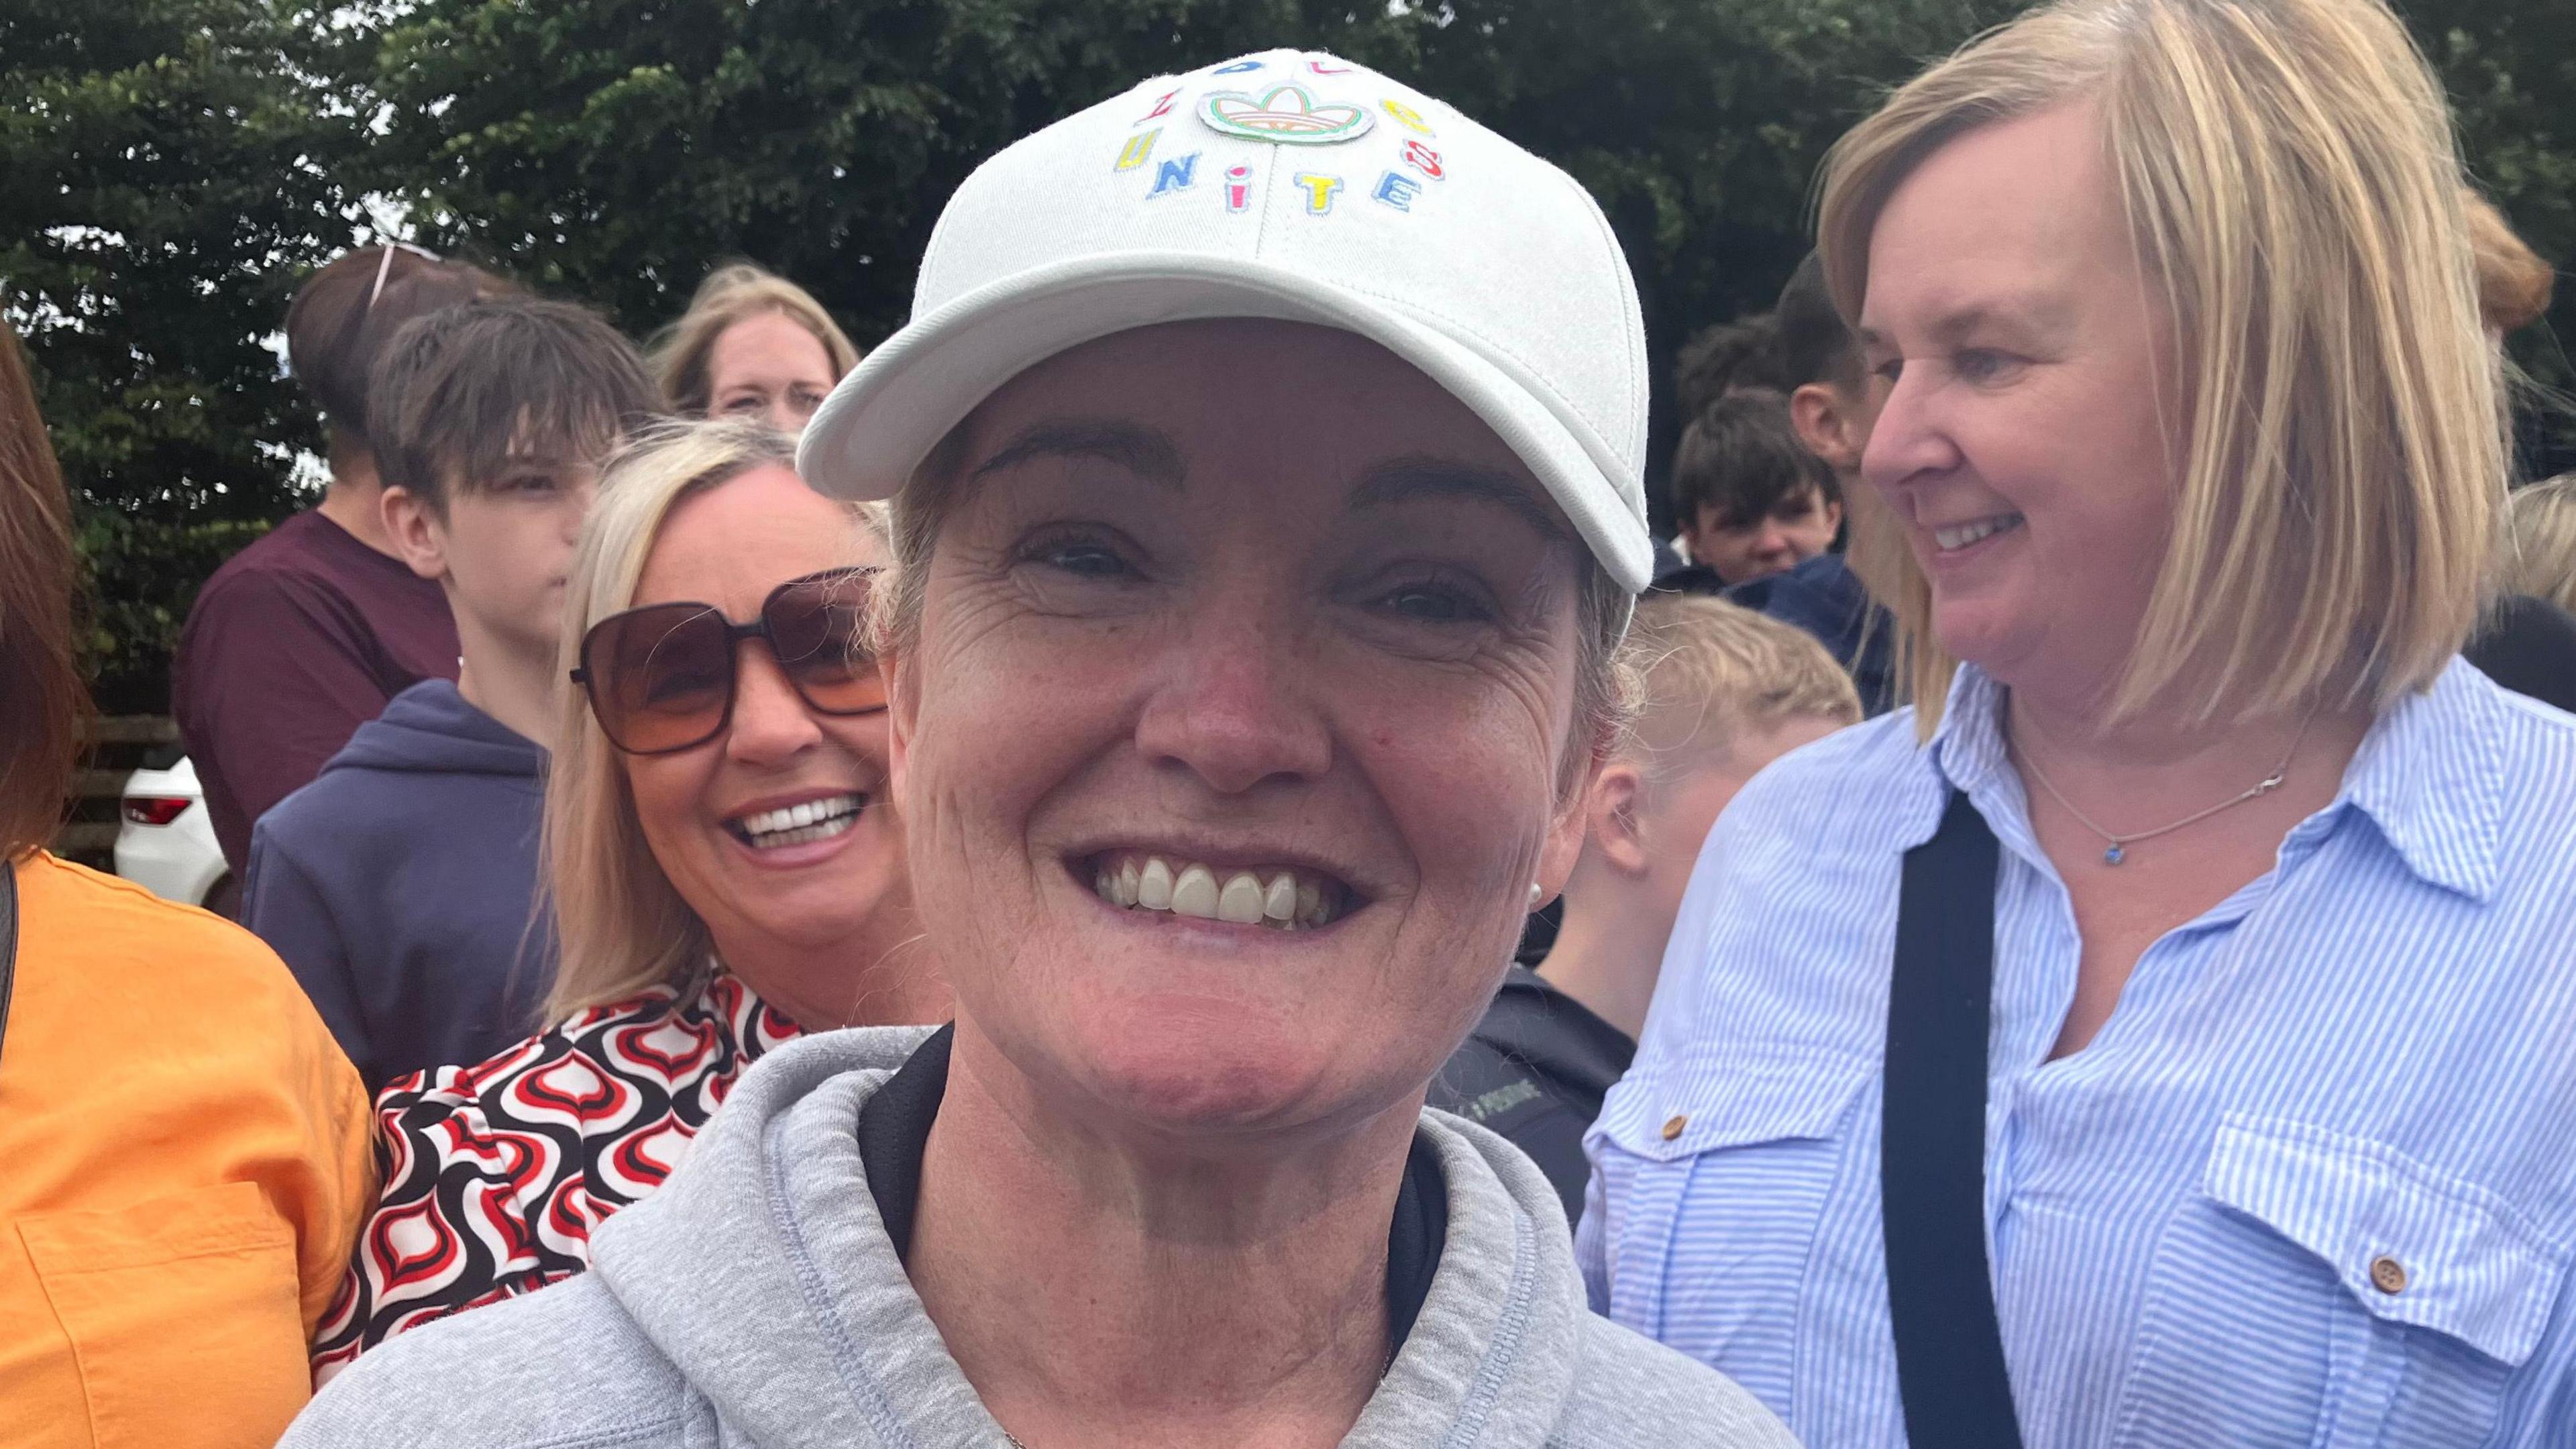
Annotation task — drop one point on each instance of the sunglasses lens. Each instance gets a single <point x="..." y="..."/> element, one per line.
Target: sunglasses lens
<point x="817" y="626"/>
<point x="660" y="677"/>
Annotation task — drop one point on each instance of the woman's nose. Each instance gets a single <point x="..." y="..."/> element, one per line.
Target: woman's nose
<point x="1907" y="442"/>
<point x="1233" y="704"/>
<point x="771" y="722"/>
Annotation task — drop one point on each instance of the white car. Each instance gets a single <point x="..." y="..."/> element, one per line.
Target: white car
<point x="167" y="843"/>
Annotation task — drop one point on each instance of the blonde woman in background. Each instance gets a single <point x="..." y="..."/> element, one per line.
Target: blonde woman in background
<point x="2528" y="643"/>
<point x="2541" y="559"/>
<point x="752" y="344"/>
<point x="725" y="868"/>
<point x="2206" y="1078"/>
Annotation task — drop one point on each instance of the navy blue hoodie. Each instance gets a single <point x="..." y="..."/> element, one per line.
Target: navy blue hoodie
<point x="399" y="886"/>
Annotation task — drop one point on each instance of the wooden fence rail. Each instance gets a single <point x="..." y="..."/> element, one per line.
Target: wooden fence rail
<point x="118" y="744"/>
<point x="134" y="729"/>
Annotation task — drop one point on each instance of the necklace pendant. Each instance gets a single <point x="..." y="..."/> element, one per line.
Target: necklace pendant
<point x="2114" y="855"/>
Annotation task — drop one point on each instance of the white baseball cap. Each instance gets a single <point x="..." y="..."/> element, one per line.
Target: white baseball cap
<point x="1286" y="185"/>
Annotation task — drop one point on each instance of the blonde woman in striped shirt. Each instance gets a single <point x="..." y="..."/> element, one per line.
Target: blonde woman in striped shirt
<point x="2184" y="491"/>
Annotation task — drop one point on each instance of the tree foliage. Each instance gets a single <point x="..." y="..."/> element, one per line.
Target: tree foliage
<point x="173" y="165"/>
<point x="167" y="168"/>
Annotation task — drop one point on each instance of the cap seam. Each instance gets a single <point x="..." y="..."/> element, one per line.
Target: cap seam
<point x="1269" y="194"/>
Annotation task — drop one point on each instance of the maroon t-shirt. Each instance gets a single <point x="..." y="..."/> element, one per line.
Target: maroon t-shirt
<point x="295" y="642"/>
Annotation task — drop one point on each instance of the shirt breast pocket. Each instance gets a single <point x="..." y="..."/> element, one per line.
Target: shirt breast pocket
<point x="1728" y="1174"/>
<point x="182" y="1313"/>
<point x="2328" y="1290"/>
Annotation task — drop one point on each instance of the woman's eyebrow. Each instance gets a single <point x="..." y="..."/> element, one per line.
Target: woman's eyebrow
<point x="1405" y="480"/>
<point x="1143" y="451"/>
<point x="2034" y="314"/>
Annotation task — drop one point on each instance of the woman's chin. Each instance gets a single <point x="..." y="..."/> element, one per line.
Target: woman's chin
<point x="825" y="911"/>
<point x="1985" y="631"/>
<point x="1209" y="1071"/>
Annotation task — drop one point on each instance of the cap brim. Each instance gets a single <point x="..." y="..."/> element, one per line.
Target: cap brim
<point x="886" y="416"/>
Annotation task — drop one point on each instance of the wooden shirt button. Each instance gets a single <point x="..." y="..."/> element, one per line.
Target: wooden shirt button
<point x="2387" y="1274"/>
<point x="1673" y="1126"/>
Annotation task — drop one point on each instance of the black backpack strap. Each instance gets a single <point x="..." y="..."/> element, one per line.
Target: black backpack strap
<point x="1932" y="1154"/>
<point x="8" y="940"/>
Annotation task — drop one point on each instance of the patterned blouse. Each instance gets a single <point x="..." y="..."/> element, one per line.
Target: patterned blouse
<point x="494" y="1175"/>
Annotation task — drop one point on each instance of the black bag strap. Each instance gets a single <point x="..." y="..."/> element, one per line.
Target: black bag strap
<point x="1932" y="1152"/>
<point x="8" y="940"/>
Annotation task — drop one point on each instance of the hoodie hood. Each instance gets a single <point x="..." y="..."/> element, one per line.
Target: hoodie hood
<point x="756" y="1300"/>
<point x="400" y="885"/>
<point x="430" y="729"/>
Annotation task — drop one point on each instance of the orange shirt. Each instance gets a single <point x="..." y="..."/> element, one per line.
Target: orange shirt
<point x="184" y="1162"/>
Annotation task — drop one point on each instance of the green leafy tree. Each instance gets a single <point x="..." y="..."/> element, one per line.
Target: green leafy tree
<point x="173" y="165"/>
<point x="167" y="168"/>
<point x="1699" y="126"/>
<point x="616" y="159"/>
<point x="614" y="150"/>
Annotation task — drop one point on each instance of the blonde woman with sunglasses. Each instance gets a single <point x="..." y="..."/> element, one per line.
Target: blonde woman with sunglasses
<point x="725" y="873"/>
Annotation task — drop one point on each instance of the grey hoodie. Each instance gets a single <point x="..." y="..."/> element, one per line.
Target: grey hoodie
<point x="755" y="1301"/>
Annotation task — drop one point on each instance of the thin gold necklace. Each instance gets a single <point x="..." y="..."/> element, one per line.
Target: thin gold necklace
<point x="2116" y="847"/>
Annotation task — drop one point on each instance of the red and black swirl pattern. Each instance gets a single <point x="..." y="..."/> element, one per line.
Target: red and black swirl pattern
<point x="495" y="1174"/>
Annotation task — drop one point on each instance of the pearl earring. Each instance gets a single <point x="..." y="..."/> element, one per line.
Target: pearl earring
<point x="1537" y="893"/>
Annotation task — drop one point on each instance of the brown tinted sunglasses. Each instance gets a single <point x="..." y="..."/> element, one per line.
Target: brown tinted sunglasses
<point x="662" y="678"/>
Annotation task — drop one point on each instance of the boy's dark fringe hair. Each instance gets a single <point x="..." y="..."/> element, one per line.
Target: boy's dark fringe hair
<point x="462" y="394"/>
<point x="1743" y="457"/>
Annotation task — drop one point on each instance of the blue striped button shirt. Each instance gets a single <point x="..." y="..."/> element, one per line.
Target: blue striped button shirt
<point x="2314" y="1183"/>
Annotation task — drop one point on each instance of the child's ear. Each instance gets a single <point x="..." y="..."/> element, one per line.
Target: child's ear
<point x="1613" y="824"/>
<point x="1824" y="424"/>
<point x="418" y="538"/>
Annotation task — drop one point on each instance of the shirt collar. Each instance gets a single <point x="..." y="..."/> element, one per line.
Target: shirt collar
<point x="1967" y="747"/>
<point x="2430" y="774"/>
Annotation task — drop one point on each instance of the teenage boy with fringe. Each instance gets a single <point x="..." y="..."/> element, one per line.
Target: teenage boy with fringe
<point x="401" y="885"/>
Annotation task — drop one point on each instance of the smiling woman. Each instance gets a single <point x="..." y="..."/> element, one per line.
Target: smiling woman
<point x="2184" y="477"/>
<point x="1338" y="629"/>
<point x="724" y="864"/>
<point x="1248" y="655"/>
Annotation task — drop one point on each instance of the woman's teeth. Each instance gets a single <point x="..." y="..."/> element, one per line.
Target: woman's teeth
<point x="1278" y="897"/>
<point x="1961" y="535"/>
<point x="799" y="824"/>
